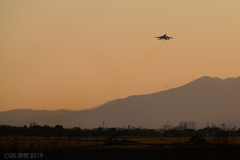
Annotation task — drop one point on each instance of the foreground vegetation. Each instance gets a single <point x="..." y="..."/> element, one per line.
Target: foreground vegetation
<point x="122" y="148"/>
<point x="59" y="143"/>
<point x="59" y="131"/>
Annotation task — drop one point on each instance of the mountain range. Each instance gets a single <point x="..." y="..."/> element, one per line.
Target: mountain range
<point x="203" y="100"/>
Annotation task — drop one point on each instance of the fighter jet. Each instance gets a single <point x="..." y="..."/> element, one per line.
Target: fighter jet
<point x="164" y="37"/>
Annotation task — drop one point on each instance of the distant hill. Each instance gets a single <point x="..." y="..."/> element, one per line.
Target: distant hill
<point x="203" y="100"/>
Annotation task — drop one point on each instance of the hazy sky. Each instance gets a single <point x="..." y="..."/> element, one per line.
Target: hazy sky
<point x="80" y="54"/>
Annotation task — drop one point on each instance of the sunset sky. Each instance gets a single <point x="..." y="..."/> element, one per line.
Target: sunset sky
<point x="80" y="54"/>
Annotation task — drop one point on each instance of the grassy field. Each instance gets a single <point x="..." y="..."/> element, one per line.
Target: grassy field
<point x="184" y="140"/>
<point x="133" y="148"/>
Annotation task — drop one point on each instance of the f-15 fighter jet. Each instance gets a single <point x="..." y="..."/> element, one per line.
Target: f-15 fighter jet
<point x="164" y="37"/>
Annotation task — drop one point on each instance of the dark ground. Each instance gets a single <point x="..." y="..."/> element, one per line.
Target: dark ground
<point x="132" y="150"/>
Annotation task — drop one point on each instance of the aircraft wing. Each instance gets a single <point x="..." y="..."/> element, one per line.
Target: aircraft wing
<point x="159" y="37"/>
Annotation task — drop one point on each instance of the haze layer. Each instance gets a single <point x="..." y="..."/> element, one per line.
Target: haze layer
<point x="81" y="54"/>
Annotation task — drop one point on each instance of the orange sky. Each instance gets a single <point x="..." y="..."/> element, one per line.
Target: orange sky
<point x="81" y="54"/>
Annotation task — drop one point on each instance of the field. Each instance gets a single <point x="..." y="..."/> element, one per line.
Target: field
<point x="133" y="148"/>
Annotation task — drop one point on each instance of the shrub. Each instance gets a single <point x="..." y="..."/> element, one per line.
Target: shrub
<point x="197" y="140"/>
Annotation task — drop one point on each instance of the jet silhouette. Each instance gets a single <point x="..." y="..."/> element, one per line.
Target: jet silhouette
<point x="164" y="37"/>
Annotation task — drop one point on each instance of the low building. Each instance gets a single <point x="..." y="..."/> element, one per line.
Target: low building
<point x="235" y="128"/>
<point x="167" y="126"/>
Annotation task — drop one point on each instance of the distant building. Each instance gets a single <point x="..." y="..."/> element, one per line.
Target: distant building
<point x="187" y="125"/>
<point x="209" y="126"/>
<point x="180" y="128"/>
<point x="167" y="126"/>
<point x="33" y="124"/>
<point x="235" y="128"/>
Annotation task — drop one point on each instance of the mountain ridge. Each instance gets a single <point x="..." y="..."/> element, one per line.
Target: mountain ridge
<point x="203" y="100"/>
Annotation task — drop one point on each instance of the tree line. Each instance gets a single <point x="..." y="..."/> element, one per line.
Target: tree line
<point x="58" y="130"/>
